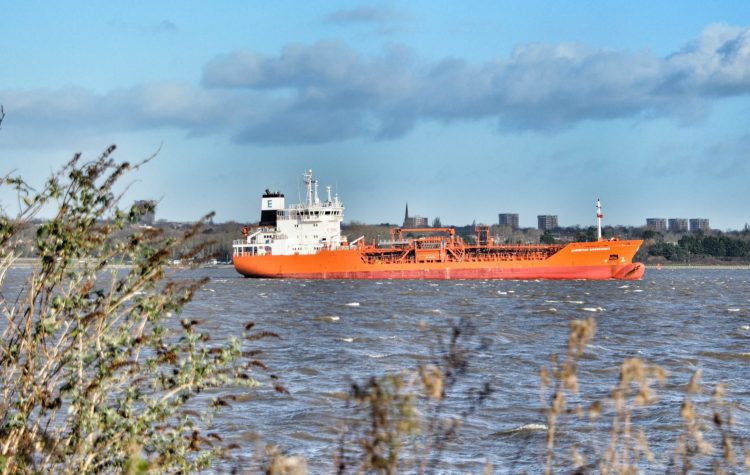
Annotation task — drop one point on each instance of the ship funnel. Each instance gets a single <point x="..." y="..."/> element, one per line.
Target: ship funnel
<point x="270" y="204"/>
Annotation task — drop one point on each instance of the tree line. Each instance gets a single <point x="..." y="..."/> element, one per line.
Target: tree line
<point x="701" y="246"/>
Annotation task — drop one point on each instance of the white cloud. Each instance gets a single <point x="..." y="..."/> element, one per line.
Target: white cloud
<point x="717" y="63"/>
<point x="328" y="91"/>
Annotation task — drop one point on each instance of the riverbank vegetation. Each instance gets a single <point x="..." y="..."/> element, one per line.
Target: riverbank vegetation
<point x="98" y="373"/>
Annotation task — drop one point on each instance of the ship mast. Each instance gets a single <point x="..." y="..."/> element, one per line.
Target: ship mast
<point x="599" y="217"/>
<point x="308" y="183"/>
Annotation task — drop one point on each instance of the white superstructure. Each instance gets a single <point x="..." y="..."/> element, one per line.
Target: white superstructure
<point x="304" y="228"/>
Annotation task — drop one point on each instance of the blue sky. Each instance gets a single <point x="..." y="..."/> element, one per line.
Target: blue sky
<point x="463" y="110"/>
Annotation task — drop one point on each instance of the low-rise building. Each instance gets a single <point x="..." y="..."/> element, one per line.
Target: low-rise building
<point x="147" y="217"/>
<point x="414" y="221"/>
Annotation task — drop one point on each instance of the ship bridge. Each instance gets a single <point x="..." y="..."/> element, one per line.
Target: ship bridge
<point x="303" y="228"/>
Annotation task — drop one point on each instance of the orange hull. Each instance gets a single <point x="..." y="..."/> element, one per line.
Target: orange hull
<point x="585" y="260"/>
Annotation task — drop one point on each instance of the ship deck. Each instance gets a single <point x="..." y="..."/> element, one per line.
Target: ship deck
<point x="447" y="253"/>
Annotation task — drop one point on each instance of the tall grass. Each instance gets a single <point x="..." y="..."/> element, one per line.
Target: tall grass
<point x="708" y="441"/>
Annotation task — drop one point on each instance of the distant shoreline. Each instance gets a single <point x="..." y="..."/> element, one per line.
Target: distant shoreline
<point x="27" y="262"/>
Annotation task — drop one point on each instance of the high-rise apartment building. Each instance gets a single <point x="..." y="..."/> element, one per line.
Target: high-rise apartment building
<point x="677" y="225"/>
<point x="508" y="219"/>
<point x="699" y="224"/>
<point x="547" y="222"/>
<point x="656" y="224"/>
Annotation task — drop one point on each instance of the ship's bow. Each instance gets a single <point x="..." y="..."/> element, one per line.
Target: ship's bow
<point x="632" y="271"/>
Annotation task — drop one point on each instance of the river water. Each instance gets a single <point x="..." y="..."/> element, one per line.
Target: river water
<point x="336" y="332"/>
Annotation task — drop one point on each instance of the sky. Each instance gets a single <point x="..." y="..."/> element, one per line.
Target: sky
<point x="463" y="110"/>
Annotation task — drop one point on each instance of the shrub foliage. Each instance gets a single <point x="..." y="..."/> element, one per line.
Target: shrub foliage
<point x="97" y="372"/>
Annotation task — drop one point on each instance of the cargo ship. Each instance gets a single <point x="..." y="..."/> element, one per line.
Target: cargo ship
<point x="304" y="241"/>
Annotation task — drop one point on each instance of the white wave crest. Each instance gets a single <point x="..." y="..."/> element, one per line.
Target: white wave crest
<point x="530" y="427"/>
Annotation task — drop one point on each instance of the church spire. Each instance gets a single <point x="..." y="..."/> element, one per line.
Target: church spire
<point x="406" y="214"/>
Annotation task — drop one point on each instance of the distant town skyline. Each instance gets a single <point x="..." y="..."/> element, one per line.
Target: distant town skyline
<point x="463" y="112"/>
